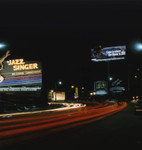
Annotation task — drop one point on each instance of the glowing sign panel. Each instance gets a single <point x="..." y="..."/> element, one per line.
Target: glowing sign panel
<point x="100" y="85"/>
<point x="108" y="53"/>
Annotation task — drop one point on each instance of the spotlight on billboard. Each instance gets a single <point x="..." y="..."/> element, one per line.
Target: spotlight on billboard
<point x="138" y="47"/>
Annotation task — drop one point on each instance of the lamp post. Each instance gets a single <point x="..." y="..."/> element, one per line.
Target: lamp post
<point x="136" y="47"/>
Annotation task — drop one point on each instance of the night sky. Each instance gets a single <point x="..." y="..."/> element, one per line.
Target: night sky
<point x="61" y="33"/>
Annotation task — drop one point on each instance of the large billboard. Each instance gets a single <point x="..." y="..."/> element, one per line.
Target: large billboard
<point x="20" y="75"/>
<point x="108" y="53"/>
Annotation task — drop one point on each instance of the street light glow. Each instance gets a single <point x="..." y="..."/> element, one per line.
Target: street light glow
<point x="60" y="82"/>
<point x="72" y="86"/>
<point x="2" y="45"/>
<point x="138" y="46"/>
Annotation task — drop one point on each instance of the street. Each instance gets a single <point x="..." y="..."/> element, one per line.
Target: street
<point x="116" y="131"/>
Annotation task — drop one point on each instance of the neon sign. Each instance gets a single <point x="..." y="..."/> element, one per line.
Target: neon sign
<point x="19" y="64"/>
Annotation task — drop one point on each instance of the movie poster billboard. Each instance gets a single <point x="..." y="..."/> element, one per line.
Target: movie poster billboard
<point x="20" y="75"/>
<point x="108" y="53"/>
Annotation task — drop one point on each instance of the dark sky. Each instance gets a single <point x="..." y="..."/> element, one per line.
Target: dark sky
<point x="61" y="33"/>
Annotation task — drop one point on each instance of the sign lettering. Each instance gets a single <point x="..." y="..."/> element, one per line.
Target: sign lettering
<point x="19" y="64"/>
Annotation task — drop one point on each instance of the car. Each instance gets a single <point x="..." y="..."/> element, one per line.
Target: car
<point x="138" y="106"/>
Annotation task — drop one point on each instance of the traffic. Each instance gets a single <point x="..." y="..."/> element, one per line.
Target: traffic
<point x="19" y="127"/>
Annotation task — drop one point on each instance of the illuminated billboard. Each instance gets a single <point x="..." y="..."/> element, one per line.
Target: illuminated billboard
<point x="100" y="87"/>
<point x="18" y="74"/>
<point x="56" y="96"/>
<point x="108" y="53"/>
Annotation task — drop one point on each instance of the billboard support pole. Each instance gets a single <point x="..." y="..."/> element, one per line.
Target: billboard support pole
<point x="128" y="79"/>
<point x="108" y="70"/>
<point x="108" y="74"/>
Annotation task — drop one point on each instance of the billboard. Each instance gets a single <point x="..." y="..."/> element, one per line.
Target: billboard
<point x="108" y="53"/>
<point x="56" y="96"/>
<point x="117" y="86"/>
<point x="100" y="87"/>
<point x="20" y="75"/>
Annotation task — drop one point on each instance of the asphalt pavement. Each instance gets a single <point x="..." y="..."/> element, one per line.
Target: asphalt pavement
<point x="122" y="130"/>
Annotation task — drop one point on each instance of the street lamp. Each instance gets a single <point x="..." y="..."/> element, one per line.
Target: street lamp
<point x="72" y="86"/>
<point x="60" y="82"/>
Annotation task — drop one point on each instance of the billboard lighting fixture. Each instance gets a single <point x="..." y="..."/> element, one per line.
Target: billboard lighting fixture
<point x="138" y="46"/>
<point x="2" y="45"/>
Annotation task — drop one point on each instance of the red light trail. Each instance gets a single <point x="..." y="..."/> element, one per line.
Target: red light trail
<point x="27" y="126"/>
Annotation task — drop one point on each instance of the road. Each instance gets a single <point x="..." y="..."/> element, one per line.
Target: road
<point x="75" y="129"/>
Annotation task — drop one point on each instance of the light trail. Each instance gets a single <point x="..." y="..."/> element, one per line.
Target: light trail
<point x="19" y="129"/>
<point x="67" y="107"/>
